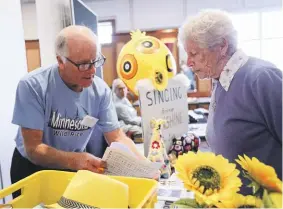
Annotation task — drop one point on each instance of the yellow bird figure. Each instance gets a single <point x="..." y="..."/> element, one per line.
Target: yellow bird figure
<point x="145" y="58"/>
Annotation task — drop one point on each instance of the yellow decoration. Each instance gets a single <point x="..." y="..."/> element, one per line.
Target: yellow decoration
<point x="92" y="190"/>
<point x="145" y="57"/>
<point x="262" y="174"/>
<point x="239" y="201"/>
<point x="208" y="176"/>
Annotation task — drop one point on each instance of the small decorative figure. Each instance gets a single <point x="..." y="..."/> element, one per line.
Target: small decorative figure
<point x="157" y="150"/>
<point x="184" y="144"/>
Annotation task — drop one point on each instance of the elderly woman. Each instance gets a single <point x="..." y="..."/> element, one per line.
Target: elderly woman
<point x="127" y="114"/>
<point x="245" y="114"/>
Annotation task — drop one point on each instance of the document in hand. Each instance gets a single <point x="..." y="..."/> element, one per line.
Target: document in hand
<point x="121" y="162"/>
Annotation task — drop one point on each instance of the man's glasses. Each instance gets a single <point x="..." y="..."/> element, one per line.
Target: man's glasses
<point x="87" y="66"/>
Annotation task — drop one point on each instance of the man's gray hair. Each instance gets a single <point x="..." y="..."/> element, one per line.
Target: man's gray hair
<point x="116" y="82"/>
<point x="208" y="29"/>
<point x="61" y="43"/>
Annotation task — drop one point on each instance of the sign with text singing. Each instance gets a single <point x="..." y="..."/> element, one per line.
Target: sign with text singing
<point x="170" y="105"/>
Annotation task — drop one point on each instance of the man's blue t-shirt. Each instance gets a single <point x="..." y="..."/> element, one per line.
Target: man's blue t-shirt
<point x="44" y="102"/>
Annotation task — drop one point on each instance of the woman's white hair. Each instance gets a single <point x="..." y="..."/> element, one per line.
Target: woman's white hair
<point x="208" y="28"/>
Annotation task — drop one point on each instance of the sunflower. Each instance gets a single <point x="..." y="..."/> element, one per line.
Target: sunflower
<point x="208" y="176"/>
<point x="261" y="174"/>
<point x="239" y="201"/>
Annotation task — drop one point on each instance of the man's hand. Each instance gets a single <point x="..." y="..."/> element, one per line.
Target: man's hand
<point x="86" y="161"/>
<point x="46" y="156"/>
<point x="157" y="176"/>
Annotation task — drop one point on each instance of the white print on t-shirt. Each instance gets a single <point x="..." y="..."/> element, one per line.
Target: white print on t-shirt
<point x="57" y="121"/>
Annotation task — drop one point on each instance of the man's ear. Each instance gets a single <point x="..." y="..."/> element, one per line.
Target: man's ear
<point x="60" y="62"/>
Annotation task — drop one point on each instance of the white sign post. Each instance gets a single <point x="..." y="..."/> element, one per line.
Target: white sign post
<point x="170" y="105"/>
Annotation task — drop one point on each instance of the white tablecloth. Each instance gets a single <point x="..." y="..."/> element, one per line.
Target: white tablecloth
<point x="170" y="191"/>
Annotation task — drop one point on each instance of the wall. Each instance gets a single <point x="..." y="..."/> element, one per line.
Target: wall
<point x="13" y="64"/>
<point x="161" y="14"/>
<point x="29" y="21"/>
<point x="148" y="14"/>
<point x="52" y="17"/>
<point x="32" y="54"/>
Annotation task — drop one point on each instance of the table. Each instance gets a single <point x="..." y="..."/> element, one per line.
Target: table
<point x="196" y="102"/>
<point x="171" y="190"/>
<point x="136" y="103"/>
<point x="198" y="129"/>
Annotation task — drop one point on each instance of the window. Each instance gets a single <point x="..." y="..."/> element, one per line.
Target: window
<point x="272" y="35"/>
<point x="252" y="48"/>
<point x="272" y="51"/>
<point x="105" y="31"/>
<point x="247" y="26"/>
<point x="260" y="35"/>
<point x="272" y="23"/>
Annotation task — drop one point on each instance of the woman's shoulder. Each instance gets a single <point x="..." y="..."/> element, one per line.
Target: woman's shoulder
<point x="256" y="68"/>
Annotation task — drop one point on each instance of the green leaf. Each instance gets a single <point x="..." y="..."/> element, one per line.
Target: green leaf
<point x="255" y="186"/>
<point x="186" y="203"/>
<point x="267" y="202"/>
<point x="174" y="206"/>
<point x="246" y="175"/>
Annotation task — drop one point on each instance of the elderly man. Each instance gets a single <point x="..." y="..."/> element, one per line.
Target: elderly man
<point x="127" y="115"/>
<point x="125" y="109"/>
<point x="245" y="115"/>
<point x="57" y="107"/>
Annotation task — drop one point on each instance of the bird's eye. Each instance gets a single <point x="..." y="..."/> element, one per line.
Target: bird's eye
<point x="170" y="63"/>
<point x="148" y="46"/>
<point x="128" y="66"/>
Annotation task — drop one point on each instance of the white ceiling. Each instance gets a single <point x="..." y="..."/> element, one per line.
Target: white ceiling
<point x="33" y="1"/>
<point x="27" y="1"/>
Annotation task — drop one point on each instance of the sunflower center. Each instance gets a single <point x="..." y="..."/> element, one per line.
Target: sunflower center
<point x="208" y="177"/>
<point x="247" y="206"/>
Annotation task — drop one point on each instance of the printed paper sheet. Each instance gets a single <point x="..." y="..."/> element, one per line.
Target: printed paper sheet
<point x="121" y="163"/>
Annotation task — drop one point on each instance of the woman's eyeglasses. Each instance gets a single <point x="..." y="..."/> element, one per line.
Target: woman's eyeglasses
<point x="87" y="66"/>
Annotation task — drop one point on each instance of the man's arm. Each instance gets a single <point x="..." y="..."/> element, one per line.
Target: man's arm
<point x="119" y="136"/>
<point x="46" y="156"/>
<point x="29" y="112"/>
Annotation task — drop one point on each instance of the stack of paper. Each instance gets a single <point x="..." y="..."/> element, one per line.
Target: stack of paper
<point x="172" y="189"/>
<point x="122" y="162"/>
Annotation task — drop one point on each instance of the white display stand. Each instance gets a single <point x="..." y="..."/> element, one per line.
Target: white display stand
<point x="171" y="105"/>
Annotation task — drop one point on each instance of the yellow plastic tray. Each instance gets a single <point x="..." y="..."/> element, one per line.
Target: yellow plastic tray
<point x="48" y="186"/>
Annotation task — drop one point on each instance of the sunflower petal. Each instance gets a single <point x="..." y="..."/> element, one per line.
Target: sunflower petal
<point x="260" y="174"/>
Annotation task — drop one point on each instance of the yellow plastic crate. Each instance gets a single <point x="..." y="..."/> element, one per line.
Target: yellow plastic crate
<point x="48" y="186"/>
